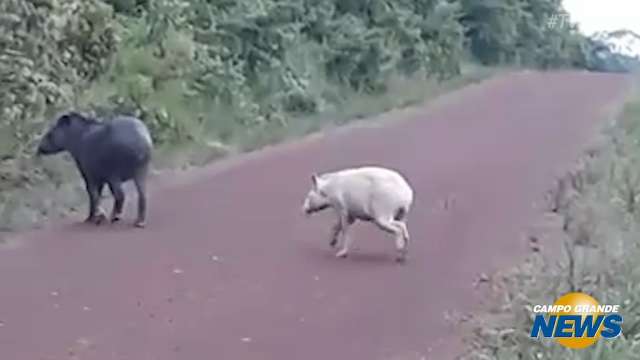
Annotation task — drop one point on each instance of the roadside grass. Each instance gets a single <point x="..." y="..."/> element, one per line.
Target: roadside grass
<point x="36" y="190"/>
<point x="599" y="210"/>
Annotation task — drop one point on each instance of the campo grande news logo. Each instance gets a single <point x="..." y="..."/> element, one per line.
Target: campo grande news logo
<point x="576" y="320"/>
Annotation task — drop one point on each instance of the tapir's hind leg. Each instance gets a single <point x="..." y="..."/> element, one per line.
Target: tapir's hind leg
<point x="399" y="230"/>
<point x="337" y="229"/>
<point x="118" y="200"/>
<point x="140" y="181"/>
<point x="346" y="240"/>
<point x="94" y="191"/>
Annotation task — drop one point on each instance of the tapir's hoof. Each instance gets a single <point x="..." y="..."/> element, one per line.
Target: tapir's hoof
<point x="140" y="224"/>
<point x="342" y="254"/>
<point x="99" y="219"/>
<point x="116" y="218"/>
<point x="402" y="258"/>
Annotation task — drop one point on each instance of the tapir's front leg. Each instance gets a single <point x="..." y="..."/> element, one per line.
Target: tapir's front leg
<point x="335" y="232"/>
<point x="94" y="191"/>
<point x="345" y="221"/>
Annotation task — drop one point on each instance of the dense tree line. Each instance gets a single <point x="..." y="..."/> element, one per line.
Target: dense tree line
<point x="182" y="65"/>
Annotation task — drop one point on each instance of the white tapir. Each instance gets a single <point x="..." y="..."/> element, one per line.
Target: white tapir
<point x="368" y="193"/>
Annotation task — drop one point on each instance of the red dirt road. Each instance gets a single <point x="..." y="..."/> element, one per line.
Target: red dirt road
<point x="228" y="268"/>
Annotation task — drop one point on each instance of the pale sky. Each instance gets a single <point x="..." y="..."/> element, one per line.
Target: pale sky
<point x="607" y="15"/>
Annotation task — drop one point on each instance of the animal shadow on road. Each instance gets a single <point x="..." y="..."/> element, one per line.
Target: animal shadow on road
<point x="79" y="225"/>
<point x="358" y="256"/>
<point x="370" y="257"/>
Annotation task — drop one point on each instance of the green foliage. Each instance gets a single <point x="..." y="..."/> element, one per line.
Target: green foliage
<point x="267" y="61"/>
<point x="48" y="50"/>
<point x="522" y="32"/>
<point x="128" y="7"/>
<point x="176" y="63"/>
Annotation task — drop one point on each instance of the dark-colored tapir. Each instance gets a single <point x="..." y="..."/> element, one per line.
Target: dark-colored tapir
<point x="106" y="153"/>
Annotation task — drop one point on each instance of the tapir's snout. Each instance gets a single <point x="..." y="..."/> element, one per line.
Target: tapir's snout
<point x="41" y="151"/>
<point x="309" y="210"/>
<point x="48" y="147"/>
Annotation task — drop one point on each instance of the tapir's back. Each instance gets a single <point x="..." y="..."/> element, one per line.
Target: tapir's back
<point x="128" y="130"/>
<point x="123" y="147"/>
<point x="379" y="175"/>
<point x="370" y="184"/>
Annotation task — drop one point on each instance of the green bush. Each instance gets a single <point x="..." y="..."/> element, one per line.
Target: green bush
<point x="173" y="61"/>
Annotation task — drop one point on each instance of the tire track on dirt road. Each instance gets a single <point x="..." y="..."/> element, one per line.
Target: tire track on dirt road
<point x="228" y="268"/>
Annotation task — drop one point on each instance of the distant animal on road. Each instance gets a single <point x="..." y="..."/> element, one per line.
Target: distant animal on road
<point x="106" y="153"/>
<point x="368" y="193"/>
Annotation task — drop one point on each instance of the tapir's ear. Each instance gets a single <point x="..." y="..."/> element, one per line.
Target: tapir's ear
<point x="64" y="120"/>
<point x="314" y="180"/>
